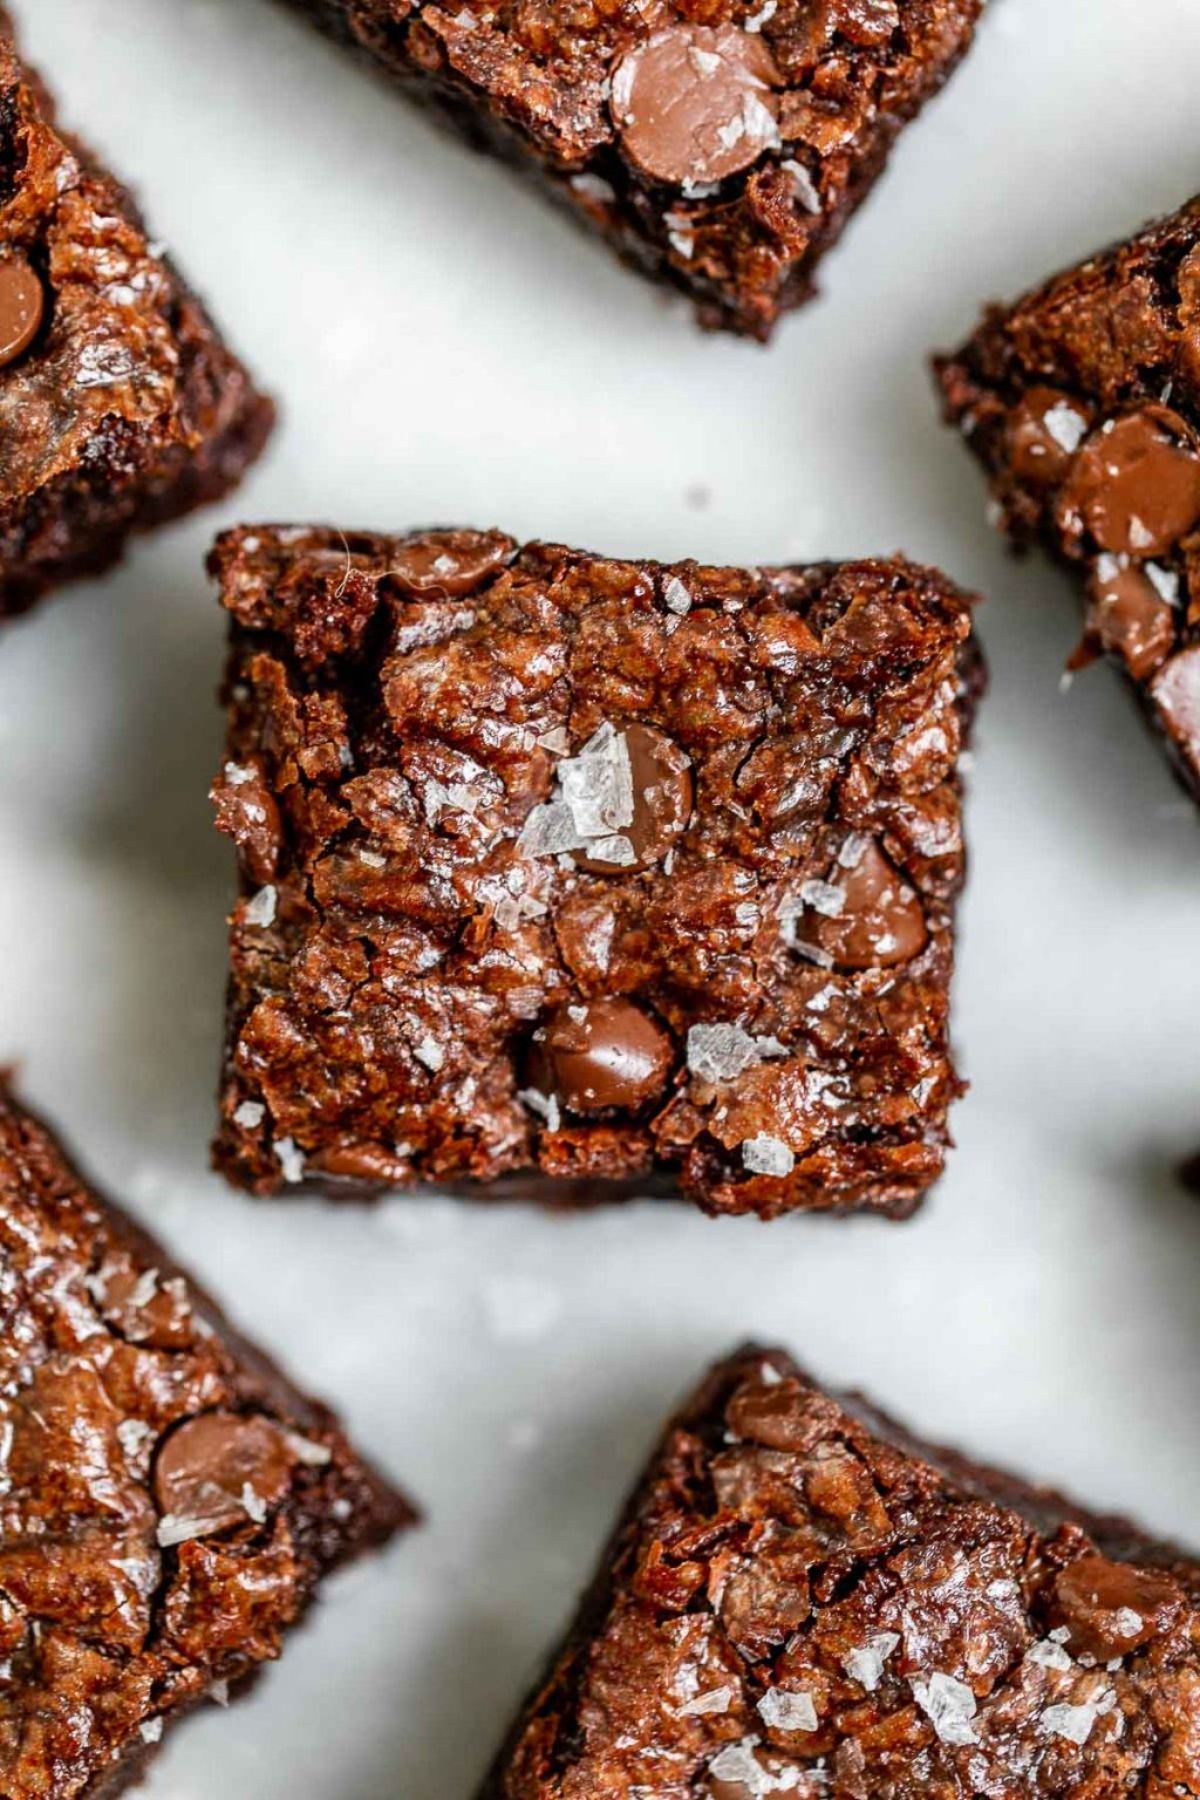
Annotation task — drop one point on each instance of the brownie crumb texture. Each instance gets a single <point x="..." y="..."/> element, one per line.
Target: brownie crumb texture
<point x="1083" y="403"/>
<point x="606" y="871"/>
<point x="721" y="152"/>
<point x="119" y="405"/>
<point x="169" y="1502"/>
<point x="801" y="1600"/>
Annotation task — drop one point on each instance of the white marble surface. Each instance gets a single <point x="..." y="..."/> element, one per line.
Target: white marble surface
<point x="446" y="349"/>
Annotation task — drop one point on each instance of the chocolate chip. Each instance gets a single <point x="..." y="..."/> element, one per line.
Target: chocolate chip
<point x="694" y="102"/>
<point x="1135" y="484"/>
<point x="1176" y="693"/>
<point x="441" y="565"/>
<point x="214" y="1470"/>
<point x="1111" y="1608"/>
<point x="663" y="797"/>
<point x="606" y="1055"/>
<point x="1042" y="434"/>
<point x="881" y="921"/>
<point x="22" y="306"/>
<point x="1129" y="617"/>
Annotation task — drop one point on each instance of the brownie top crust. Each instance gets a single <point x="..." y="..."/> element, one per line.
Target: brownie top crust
<point x="721" y="145"/>
<point x="118" y="402"/>
<point x="1082" y="400"/>
<point x="167" y="1500"/>
<point x="598" y="868"/>
<point x="803" y="1601"/>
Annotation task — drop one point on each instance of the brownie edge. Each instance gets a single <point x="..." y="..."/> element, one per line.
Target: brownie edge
<point x="171" y="1503"/>
<point x="801" y="1599"/>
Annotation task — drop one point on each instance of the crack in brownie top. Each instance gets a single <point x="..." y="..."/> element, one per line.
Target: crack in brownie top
<point x="167" y="1501"/>
<point x="721" y="144"/>
<point x="1083" y="402"/>
<point x="600" y="868"/>
<point x="800" y="1602"/>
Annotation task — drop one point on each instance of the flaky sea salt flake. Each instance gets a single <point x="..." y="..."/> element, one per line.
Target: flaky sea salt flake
<point x="949" y="1705"/>
<point x="763" y="1155"/>
<point x="719" y="1052"/>
<point x="786" y="1710"/>
<point x="865" y="1665"/>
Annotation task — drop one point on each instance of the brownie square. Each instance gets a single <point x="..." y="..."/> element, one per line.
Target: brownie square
<point x="120" y="406"/>
<point x="632" y="877"/>
<point x="802" y="1600"/>
<point x="720" y="151"/>
<point x="169" y="1500"/>
<point x="1082" y="401"/>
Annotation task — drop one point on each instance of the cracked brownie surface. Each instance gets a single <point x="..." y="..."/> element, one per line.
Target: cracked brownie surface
<point x="801" y="1600"/>
<point x="718" y="147"/>
<point x="1082" y="401"/>
<point x="617" y="873"/>
<point x="168" y="1501"/>
<point x="119" y="405"/>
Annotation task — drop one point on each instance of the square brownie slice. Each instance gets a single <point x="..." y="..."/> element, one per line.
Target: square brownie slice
<point x="169" y="1500"/>
<point x="1082" y="401"/>
<point x="628" y="875"/>
<point x="802" y="1600"/>
<point x="120" y="406"/>
<point x="721" y="150"/>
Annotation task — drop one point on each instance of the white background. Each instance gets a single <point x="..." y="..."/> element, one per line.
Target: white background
<point x="448" y="351"/>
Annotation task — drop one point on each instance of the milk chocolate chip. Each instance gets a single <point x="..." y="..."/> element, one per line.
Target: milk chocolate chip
<point x="880" y="922"/>
<point x="1042" y="434"/>
<point x="1176" y="692"/>
<point x="22" y="305"/>
<point x="441" y="565"/>
<point x="694" y="102"/>
<point x="607" y="1054"/>
<point x="1129" y="617"/>
<point x="1136" y="484"/>
<point x="662" y="801"/>
<point x="219" y="1468"/>
<point x="1111" y="1608"/>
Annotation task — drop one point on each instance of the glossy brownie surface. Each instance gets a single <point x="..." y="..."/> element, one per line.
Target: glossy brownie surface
<point x="1083" y="403"/>
<point x="119" y="404"/>
<point x="801" y="1600"/>
<point x="720" y="148"/>
<point x="169" y="1501"/>
<point x="611" y="872"/>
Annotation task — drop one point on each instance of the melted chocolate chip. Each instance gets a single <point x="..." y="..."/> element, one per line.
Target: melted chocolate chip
<point x="881" y="922"/>
<point x="662" y="801"/>
<point x="1111" y="1608"/>
<point x="694" y="102"/>
<point x="22" y="306"/>
<point x="1136" y="484"/>
<point x="440" y="565"/>
<point x="210" y="1467"/>
<point x="1176" y="692"/>
<point x="1042" y="433"/>
<point x="603" y="1056"/>
<point x="1130" y="618"/>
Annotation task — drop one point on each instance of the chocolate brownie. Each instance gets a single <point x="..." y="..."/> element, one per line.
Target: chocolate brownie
<point x="169" y="1500"/>
<point x="720" y="149"/>
<point x="119" y="404"/>
<point x="1083" y="403"/>
<point x="630" y="875"/>
<point x="802" y="1600"/>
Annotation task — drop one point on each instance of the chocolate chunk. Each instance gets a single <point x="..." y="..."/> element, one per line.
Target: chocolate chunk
<point x="22" y="306"/>
<point x="1136" y="484"/>
<point x="1129" y="617"/>
<point x="662" y="801"/>
<point x="694" y="103"/>
<point x="441" y="565"/>
<point x="1042" y="434"/>
<point x="218" y="1469"/>
<point x="1176" y="694"/>
<point x="1111" y="1608"/>
<point x="881" y="921"/>
<point x="608" y="1054"/>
